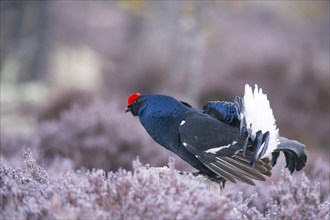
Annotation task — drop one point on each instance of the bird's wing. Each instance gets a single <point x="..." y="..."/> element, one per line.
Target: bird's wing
<point x="226" y="112"/>
<point x="218" y="146"/>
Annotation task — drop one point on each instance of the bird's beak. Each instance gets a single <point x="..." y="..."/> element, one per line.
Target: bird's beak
<point x="128" y="109"/>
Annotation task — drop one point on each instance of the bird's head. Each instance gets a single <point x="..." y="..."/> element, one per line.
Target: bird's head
<point x="140" y="105"/>
<point x="134" y="102"/>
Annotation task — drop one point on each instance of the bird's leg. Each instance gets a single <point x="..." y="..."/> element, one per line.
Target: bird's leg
<point x="222" y="183"/>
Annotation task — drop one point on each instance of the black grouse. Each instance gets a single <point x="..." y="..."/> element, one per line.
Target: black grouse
<point x="223" y="140"/>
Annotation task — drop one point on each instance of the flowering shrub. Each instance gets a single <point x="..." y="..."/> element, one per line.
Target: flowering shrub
<point x="148" y="193"/>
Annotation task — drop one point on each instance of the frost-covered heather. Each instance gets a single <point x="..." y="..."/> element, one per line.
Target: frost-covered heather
<point x="146" y="193"/>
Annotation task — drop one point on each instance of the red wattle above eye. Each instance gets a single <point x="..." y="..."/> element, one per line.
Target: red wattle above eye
<point x="133" y="97"/>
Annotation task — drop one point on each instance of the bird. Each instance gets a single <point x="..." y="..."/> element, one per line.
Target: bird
<point x="225" y="141"/>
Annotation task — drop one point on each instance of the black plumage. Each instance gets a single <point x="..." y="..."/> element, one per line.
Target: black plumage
<point x="213" y="139"/>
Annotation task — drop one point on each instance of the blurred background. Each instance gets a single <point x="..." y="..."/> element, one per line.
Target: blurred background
<point x="67" y="68"/>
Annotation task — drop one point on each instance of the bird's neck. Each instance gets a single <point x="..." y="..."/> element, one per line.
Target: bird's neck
<point x="162" y="125"/>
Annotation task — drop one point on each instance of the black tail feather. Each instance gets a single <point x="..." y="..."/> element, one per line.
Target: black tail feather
<point x="294" y="152"/>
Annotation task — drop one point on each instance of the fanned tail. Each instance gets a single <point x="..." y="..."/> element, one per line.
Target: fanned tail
<point x="294" y="152"/>
<point x="254" y="117"/>
<point x="257" y="116"/>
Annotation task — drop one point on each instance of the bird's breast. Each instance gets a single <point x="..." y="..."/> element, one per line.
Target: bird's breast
<point x="163" y="129"/>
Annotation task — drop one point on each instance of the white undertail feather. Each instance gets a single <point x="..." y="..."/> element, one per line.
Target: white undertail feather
<point x="259" y="114"/>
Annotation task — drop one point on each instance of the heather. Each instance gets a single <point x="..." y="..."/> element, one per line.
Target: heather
<point x="149" y="193"/>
